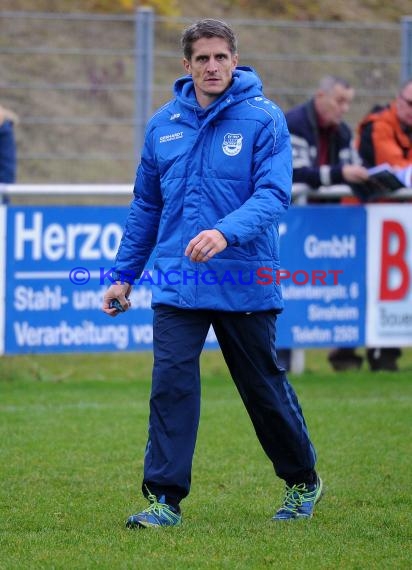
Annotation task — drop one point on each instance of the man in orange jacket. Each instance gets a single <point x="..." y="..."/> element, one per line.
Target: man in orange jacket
<point x="385" y="136"/>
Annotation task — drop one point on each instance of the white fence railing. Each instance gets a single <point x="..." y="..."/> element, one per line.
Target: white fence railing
<point x="300" y="191"/>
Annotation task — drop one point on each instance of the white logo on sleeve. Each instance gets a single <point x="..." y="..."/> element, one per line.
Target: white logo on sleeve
<point x="232" y="144"/>
<point x="171" y="137"/>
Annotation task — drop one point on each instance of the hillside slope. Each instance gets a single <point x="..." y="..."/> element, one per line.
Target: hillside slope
<point x="71" y="79"/>
<point x="348" y="10"/>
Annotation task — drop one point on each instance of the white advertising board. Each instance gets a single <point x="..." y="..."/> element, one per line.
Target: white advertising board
<point x="389" y="273"/>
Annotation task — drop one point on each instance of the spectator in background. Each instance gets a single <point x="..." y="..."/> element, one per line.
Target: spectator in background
<point x="324" y="154"/>
<point x="385" y="136"/>
<point x="322" y="143"/>
<point x="8" y="154"/>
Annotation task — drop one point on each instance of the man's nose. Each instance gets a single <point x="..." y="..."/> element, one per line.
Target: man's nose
<point x="212" y="65"/>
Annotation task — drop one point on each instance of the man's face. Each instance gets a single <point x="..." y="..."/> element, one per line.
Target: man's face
<point x="332" y="105"/>
<point x="211" y="67"/>
<point x="404" y="105"/>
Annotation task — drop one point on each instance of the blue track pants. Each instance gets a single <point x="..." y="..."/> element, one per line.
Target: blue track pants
<point x="247" y="342"/>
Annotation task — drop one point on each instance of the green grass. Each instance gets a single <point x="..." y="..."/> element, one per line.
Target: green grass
<point x="73" y="430"/>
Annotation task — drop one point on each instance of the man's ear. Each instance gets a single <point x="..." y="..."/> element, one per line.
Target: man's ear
<point x="186" y="65"/>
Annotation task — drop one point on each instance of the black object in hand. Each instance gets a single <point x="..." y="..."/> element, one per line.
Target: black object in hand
<point x="115" y="304"/>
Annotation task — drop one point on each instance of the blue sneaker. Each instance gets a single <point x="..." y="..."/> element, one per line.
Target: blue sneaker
<point x="300" y="501"/>
<point x="159" y="513"/>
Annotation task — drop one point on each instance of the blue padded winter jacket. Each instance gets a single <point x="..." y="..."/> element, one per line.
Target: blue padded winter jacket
<point x="228" y="167"/>
<point x="7" y="153"/>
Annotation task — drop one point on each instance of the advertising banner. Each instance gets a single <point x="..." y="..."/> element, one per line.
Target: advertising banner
<point x="59" y="260"/>
<point x="389" y="271"/>
<point x="58" y="267"/>
<point x="323" y="277"/>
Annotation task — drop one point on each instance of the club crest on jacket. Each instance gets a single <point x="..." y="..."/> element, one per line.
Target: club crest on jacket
<point x="232" y="144"/>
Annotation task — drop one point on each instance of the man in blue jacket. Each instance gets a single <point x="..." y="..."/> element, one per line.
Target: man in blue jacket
<point x="8" y="152"/>
<point x="215" y="178"/>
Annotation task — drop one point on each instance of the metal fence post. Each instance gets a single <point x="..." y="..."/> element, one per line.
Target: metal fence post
<point x="297" y="355"/>
<point x="144" y="42"/>
<point x="406" y="48"/>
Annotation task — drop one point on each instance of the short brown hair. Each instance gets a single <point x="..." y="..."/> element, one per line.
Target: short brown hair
<point x="207" y="28"/>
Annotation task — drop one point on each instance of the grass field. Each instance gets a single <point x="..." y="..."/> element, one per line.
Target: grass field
<point x="73" y="430"/>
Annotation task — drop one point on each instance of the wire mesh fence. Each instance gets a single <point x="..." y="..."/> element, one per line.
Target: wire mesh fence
<point x="71" y="79"/>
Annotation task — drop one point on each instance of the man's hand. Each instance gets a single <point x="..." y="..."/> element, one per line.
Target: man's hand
<point x="355" y="173"/>
<point x="7" y="115"/>
<point x="205" y="245"/>
<point x="119" y="291"/>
